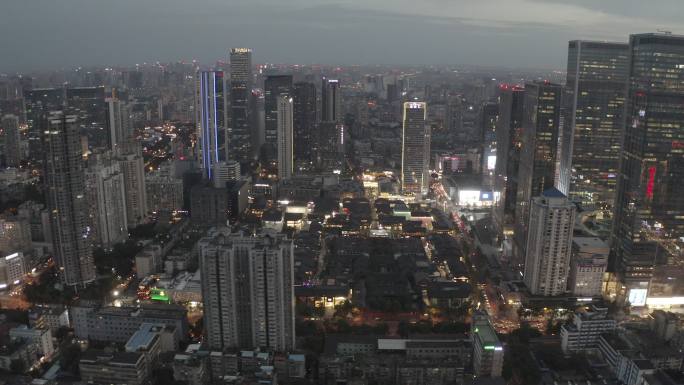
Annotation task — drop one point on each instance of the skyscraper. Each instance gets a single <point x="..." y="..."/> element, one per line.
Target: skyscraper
<point x="39" y="102"/>
<point x="508" y="145"/>
<point x="105" y="194"/>
<point x="285" y="139"/>
<point x="537" y="168"/>
<point x="649" y="204"/>
<point x="488" y="122"/>
<point x="11" y="139"/>
<point x="331" y="101"/>
<point x="274" y="86"/>
<point x="133" y="168"/>
<point x="66" y="199"/>
<point x="247" y="285"/>
<point x="594" y="102"/>
<point x="304" y="112"/>
<point x="240" y="93"/>
<point x="211" y="119"/>
<point x="415" y="149"/>
<point x="549" y="243"/>
<point x="118" y="122"/>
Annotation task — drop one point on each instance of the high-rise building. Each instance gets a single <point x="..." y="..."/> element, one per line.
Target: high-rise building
<point x="64" y="179"/>
<point x="537" y="167"/>
<point x="587" y="266"/>
<point x="508" y="145"/>
<point x="331" y="101"/>
<point x="133" y="168"/>
<point x="488" y="351"/>
<point x="247" y="285"/>
<point x="106" y="198"/>
<point x="11" y="140"/>
<point x="240" y="140"/>
<point x="649" y="204"/>
<point x="594" y="103"/>
<point x="15" y="234"/>
<point x="211" y="117"/>
<point x="285" y="137"/>
<point x="118" y="121"/>
<point x="415" y="149"/>
<point x="163" y="190"/>
<point x="274" y="87"/>
<point x="304" y="117"/>
<point x="549" y="243"/>
<point x="489" y="120"/>
<point x="39" y="102"/>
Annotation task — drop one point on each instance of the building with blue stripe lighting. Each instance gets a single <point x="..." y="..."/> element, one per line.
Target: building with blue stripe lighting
<point x="211" y="117"/>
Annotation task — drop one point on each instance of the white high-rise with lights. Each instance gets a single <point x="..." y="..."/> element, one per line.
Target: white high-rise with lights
<point x="549" y="243"/>
<point x="247" y="286"/>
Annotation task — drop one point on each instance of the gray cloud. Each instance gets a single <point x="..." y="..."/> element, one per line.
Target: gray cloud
<point x="43" y="34"/>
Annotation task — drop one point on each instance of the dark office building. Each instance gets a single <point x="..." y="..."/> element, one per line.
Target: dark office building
<point x="594" y="103"/>
<point x="537" y="169"/>
<point x="508" y="145"/>
<point x="304" y="106"/>
<point x="274" y="86"/>
<point x="38" y="103"/>
<point x="489" y="116"/>
<point x="649" y="203"/>
<point x="240" y="140"/>
<point x="331" y="101"/>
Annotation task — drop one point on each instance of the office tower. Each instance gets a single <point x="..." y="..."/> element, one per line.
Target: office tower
<point x="274" y="87"/>
<point x="133" y="168"/>
<point x="11" y="139"/>
<point x="488" y="351"/>
<point x="489" y="119"/>
<point x="105" y="194"/>
<point x="39" y="102"/>
<point x="508" y="144"/>
<point x="415" y="149"/>
<point x="285" y="123"/>
<point x="66" y="199"/>
<point x="537" y="167"/>
<point x="211" y="119"/>
<point x="331" y="101"/>
<point x="247" y="286"/>
<point x="549" y="243"/>
<point x="209" y="205"/>
<point x="90" y="108"/>
<point x="649" y="204"/>
<point x="330" y="146"/>
<point x="225" y="172"/>
<point x="594" y="103"/>
<point x="240" y="93"/>
<point x="257" y="119"/>
<point x="118" y="122"/>
<point x="304" y="111"/>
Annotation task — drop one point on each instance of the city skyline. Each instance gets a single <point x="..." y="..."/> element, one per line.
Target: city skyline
<point x="336" y="33"/>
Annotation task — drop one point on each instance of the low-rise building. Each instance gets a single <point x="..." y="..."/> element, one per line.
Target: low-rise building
<point x="41" y="338"/>
<point x="123" y="368"/>
<point x="587" y="266"/>
<point x="584" y="331"/>
<point x="487" y="349"/>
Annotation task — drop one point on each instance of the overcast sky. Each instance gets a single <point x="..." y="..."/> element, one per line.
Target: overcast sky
<point x="45" y="34"/>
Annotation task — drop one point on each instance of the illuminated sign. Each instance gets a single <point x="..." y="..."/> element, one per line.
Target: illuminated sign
<point x="413" y="105"/>
<point x="11" y="256"/>
<point x="491" y="162"/>
<point x="159" y="295"/>
<point x="637" y="297"/>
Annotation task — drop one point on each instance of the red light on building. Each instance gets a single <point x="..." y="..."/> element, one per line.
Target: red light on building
<point x="651" y="182"/>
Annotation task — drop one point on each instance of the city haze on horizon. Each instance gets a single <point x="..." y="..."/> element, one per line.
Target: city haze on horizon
<point x="491" y="33"/>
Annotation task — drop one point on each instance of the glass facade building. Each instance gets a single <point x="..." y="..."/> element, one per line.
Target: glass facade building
<point x="649" y="206"/>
